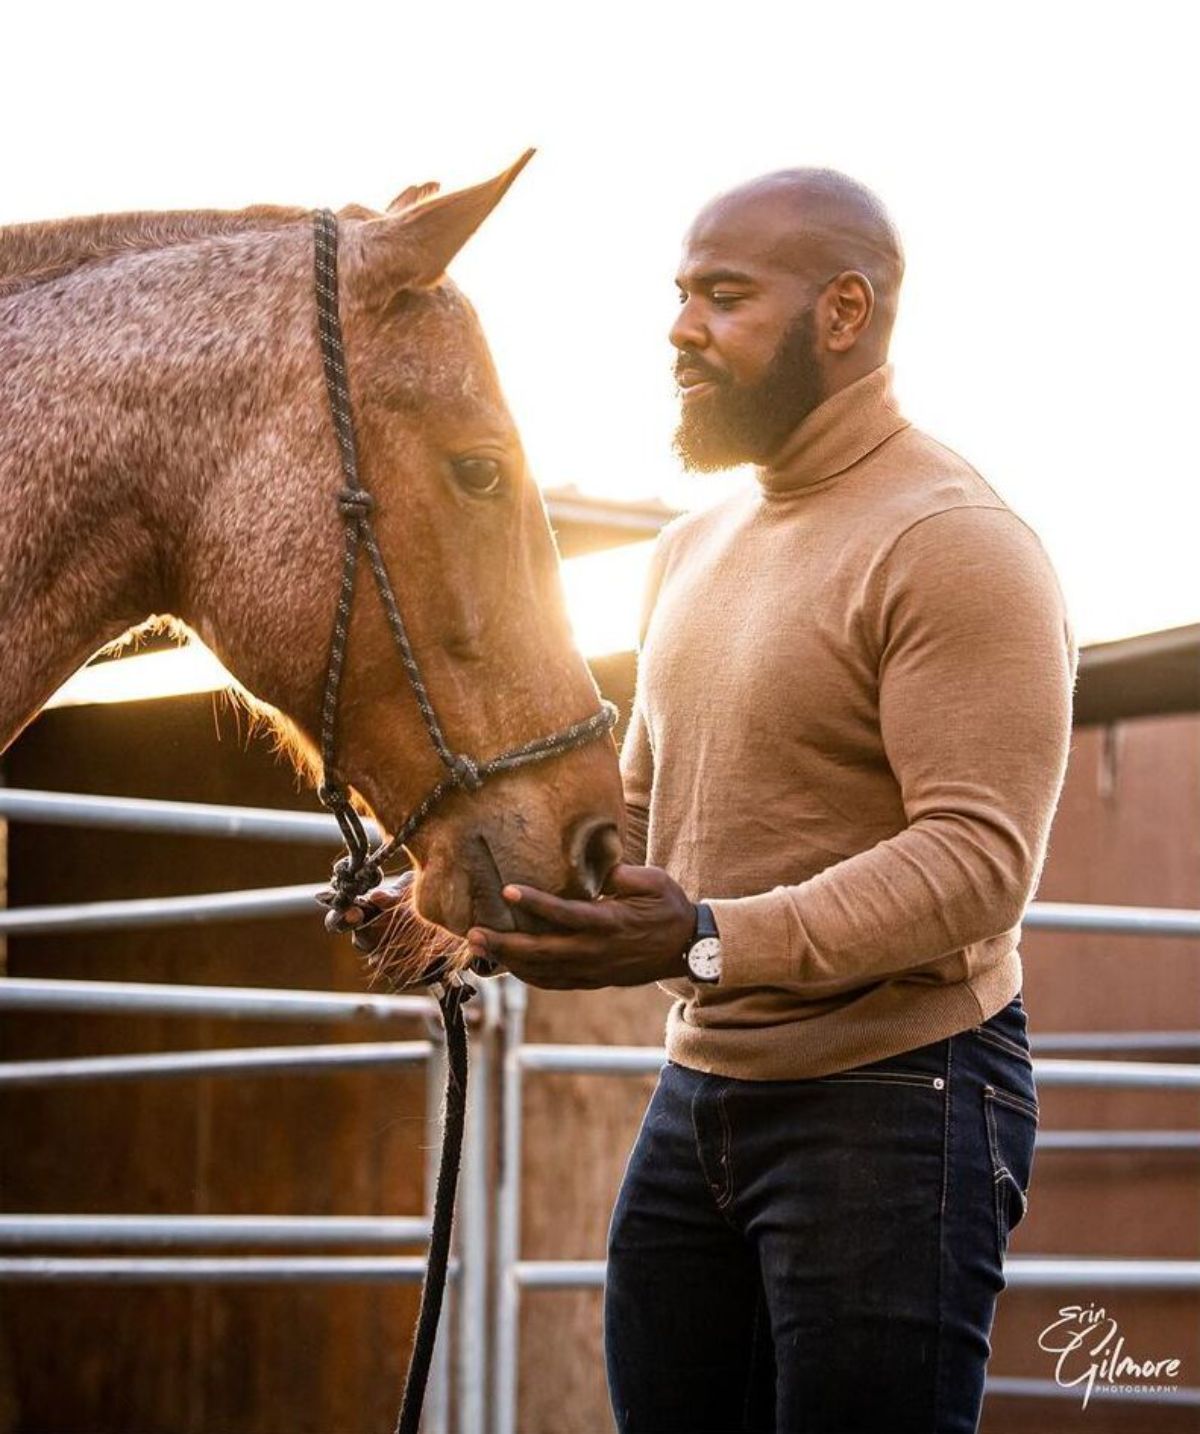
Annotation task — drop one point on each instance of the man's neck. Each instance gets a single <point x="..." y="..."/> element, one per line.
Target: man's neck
<point x="843" y="428"/>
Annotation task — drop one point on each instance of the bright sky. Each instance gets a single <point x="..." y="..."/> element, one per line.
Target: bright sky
<point x="1038" y="160"/>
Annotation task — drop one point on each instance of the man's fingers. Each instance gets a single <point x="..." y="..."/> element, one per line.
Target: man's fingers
<point x="392" y="892"/>
<point x="625" y="880"/>
<point x="524" y="949"/>
<point x="572" y="915"/>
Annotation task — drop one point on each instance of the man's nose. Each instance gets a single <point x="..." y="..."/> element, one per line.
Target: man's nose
<point x="687" y="332"/>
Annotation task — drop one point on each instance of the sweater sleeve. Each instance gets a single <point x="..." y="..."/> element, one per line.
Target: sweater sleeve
<point x="637" y="756"/>
<point x="977" y="666"/>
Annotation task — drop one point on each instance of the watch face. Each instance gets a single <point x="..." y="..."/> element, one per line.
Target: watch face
<point x="704" y="959"/>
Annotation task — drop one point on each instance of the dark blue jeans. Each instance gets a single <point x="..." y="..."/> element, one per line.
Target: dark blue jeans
<point x="821" y="1256"/>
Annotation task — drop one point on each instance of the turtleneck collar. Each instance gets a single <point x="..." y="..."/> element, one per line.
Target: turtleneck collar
<point x="835" y="435"/>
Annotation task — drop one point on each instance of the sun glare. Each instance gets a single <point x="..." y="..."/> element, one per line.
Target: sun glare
<point x="604" y="594"/>
<point x="174" y="673"/>
<point x="604" y="597"/>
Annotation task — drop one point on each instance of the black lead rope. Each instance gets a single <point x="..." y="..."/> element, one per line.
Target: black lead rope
<point x="450" y="1000"/>
<point x="361" y="868"/>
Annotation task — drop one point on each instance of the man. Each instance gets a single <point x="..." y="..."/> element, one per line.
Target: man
<point x="847" y="743"/>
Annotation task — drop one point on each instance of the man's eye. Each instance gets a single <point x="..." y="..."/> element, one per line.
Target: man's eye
<point x="479" y="476"/>
<point x="725" y="300"/>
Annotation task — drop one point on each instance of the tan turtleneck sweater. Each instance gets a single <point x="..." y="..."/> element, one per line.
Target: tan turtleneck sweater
<point x="849" y="736"/>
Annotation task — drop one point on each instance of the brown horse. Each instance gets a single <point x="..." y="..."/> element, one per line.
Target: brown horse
<point x="166" y="449"/>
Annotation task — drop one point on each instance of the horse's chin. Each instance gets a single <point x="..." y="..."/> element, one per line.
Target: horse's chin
<point x="458" y="895"/>
<point x="425" y="929"/>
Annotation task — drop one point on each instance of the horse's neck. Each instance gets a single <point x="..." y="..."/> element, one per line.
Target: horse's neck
<point x="118" y="394"/>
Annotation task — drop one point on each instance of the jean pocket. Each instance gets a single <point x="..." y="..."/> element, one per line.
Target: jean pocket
<point x="1012" y="1125"/>
<point x="889" y="1077"/>
<point x="1007" y="1030"/>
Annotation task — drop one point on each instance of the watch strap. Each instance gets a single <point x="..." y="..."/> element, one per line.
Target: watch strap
<point x="706" y="922"/>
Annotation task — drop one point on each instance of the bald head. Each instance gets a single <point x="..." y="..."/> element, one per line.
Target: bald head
<point x="815" y="224"/>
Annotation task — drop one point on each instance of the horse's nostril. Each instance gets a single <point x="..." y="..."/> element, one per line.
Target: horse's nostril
<point x="595" y="849"/>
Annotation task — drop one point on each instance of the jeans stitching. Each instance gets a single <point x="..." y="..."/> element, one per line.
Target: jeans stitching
<point x="1002" y="1043"/>
<point x="697" y="1138"/>
<point x="1001" y="1174"/>
<point x="1017" y="1102"/>
<point x="947" y="1141"/>
<point x="719" y="1201"/>
<point x="726" y="1151"/>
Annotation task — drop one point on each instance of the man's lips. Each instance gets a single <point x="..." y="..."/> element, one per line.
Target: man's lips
<point x="694" y="381"/>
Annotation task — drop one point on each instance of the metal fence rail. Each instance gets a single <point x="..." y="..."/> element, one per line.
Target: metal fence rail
<point x="265" y="1060"/>
<point x="264" y="904"/>
<point x="179" y="1231"/>
<point x="260" y="1003"/>
<point x="1106" y="1042"/>
<point x="239" y="1270"/>
<point x="71" y="809"/>
<point x="1111" y="920"/>
<point x="1027" y="1271"/>
<point x="1000" y="1385"/>
<point x="1118" y="1140"/>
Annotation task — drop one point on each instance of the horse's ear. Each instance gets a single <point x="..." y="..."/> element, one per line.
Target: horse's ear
<point x="414" y="194"/>
<point x="412" y="248"/>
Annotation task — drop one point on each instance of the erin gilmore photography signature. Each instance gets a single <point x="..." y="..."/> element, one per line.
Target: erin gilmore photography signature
<point x="1090" y="1347"/>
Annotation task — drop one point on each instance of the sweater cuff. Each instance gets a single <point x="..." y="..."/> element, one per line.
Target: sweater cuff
<point x="755" y="949"/>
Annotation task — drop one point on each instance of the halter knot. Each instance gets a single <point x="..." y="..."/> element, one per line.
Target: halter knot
<point x="350" y="880"/>
<point x="355" y="502"/>
<point x="464" y="772"/>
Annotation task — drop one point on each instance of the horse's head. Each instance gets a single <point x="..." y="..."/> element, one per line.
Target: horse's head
<point x="465" y="536"/>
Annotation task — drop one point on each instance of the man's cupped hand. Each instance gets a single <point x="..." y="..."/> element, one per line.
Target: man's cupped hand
<point x="635" y="933"/>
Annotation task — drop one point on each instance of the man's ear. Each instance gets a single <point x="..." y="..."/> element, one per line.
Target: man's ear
<point x="411" y="248"/>
<point x="849" y="302"/>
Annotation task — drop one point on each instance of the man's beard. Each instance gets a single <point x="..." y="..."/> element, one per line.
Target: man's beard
<point x="746" y="423"/>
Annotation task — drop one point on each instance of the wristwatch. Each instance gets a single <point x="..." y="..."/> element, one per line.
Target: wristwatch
<point x="702" y="956"/>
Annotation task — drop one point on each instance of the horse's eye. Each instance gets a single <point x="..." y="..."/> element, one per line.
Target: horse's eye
<point x="479" y="475"/>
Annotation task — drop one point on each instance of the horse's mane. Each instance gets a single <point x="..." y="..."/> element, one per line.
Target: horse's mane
<point x="32" y="253"/>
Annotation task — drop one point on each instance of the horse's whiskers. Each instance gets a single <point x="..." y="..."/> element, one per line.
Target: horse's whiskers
<point x="409" y="945"/>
